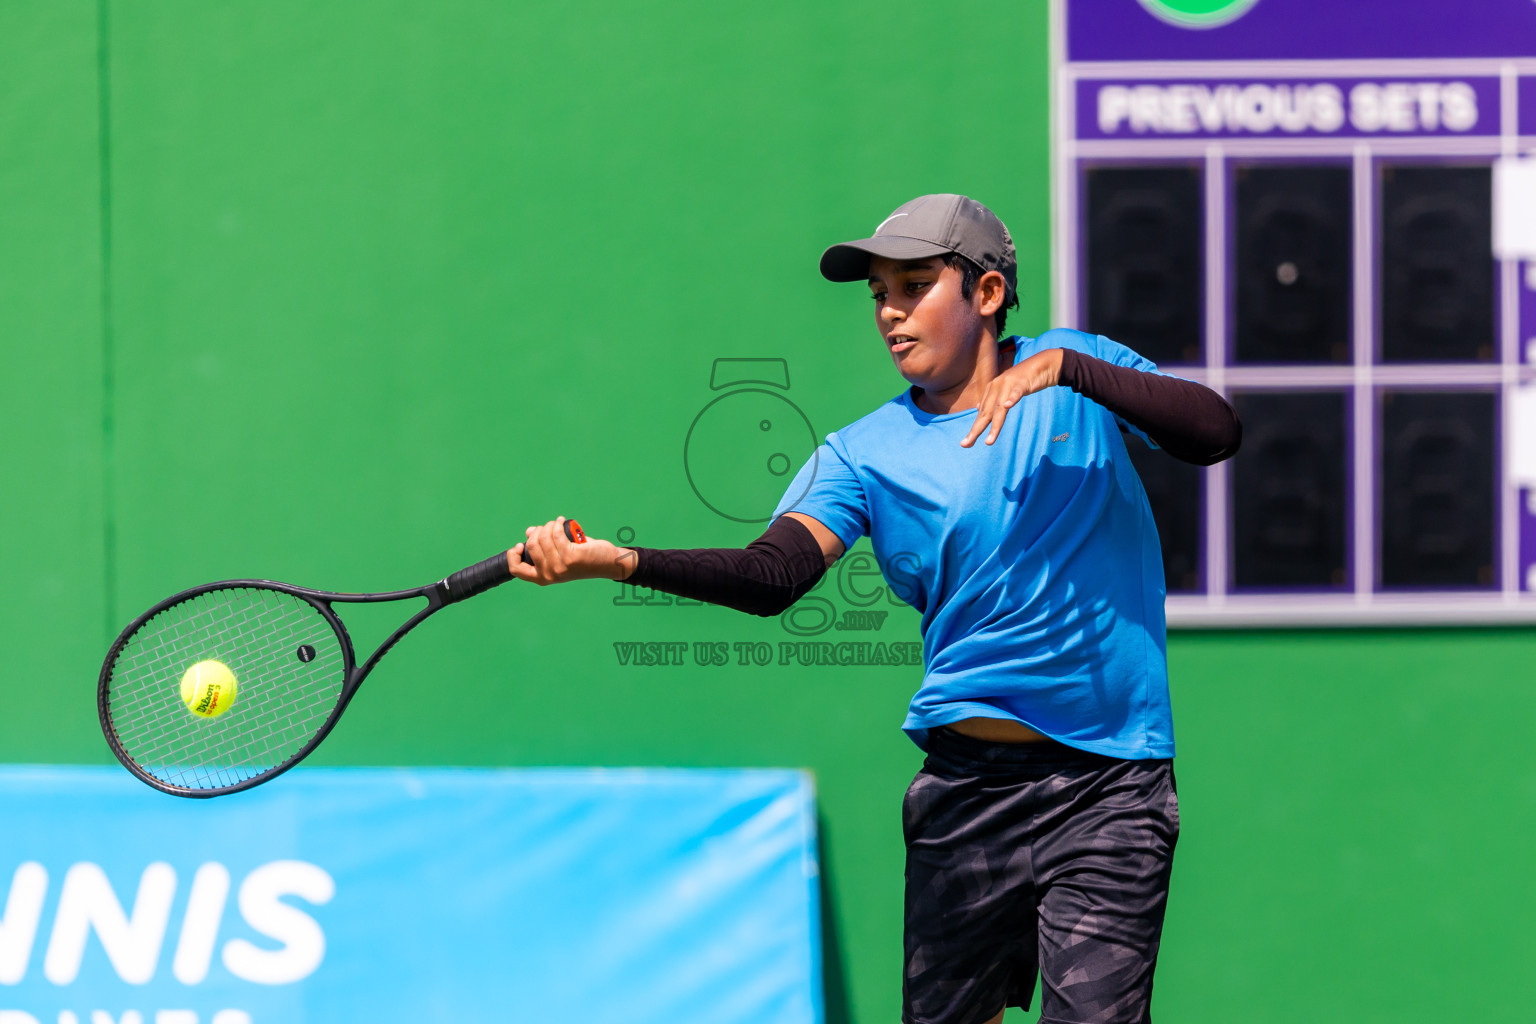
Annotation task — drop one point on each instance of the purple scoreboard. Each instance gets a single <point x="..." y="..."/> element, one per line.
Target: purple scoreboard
<point x="1327" y="212"/>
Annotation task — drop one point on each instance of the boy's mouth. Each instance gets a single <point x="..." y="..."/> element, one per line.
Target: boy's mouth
<point x="900" y="342"/>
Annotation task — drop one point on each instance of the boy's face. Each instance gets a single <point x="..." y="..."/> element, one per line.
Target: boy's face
<point x="927" y="325"/>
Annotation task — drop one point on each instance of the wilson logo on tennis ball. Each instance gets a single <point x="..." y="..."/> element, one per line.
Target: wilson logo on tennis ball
<point x="208" y="689"/>
<point x="135" y="943"/>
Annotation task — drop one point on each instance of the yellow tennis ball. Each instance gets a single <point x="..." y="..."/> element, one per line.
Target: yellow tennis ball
<point x="208" y="689"/>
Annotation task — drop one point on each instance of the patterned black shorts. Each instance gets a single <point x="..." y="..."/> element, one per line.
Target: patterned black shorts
<point x="1034" y="857"/>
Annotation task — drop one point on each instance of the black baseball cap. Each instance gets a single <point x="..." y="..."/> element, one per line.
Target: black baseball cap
<point x="929" y="226"/>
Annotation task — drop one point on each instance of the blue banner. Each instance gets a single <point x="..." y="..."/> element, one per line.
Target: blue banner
<point x="416" y="895"/>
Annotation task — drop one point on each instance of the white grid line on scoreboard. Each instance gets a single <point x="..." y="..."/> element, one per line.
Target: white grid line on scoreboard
<point x="1509" y="107"/>
<point x="1443" y="608"/>
<point x="1343" y="147"/>
<point x="1217" y="480"/>
<point x="1440" y="67"/>
<point x="1364" y="349"/>
<point x="1509" y="351"/>
<point x="1392" y="375"/>
<point x="1063" y="167"/>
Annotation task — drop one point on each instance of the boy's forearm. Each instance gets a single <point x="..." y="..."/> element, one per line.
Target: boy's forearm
<point x="624" y="564"/>
<point x="1187" y="420"/>
<point x="764" y="578"/>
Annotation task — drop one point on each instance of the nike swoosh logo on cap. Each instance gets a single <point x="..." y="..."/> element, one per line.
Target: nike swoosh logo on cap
<point x="887" y="221"/>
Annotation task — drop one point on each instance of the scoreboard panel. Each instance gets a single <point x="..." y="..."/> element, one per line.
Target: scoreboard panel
<point x="1327" y="213"/>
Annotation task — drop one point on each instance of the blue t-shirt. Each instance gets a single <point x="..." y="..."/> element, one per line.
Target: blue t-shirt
<point x="1034" y="561"/>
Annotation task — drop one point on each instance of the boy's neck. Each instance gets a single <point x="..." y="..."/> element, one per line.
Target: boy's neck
<point x="992" y="358"/>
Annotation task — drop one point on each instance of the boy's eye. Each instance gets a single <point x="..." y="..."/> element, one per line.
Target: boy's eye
<point x="878" y="296"/>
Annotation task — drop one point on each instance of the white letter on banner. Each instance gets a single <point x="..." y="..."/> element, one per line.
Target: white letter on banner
<point x="16" y="1017"/>
<point x="87" y="901"/>
<point x="1365" y="107"/>
<point x="1114" y="105"/>
<point x="1146" y="109"/>
<point x="18" y="927"/>
<point x="68" y="1017"/>
<point x="1208" y="105"/>
<point x="231" y="1017"/>
<point x="129" y="1017"/>
<point x="1227" y="96"/>
<point x="200" y="925"/>
<point x="1459" y="105"/>
<point x="1179" y="109"/>
<point x="1397" y="107"/>
<point x="176" y="1017"/>
<point x="263" y="909"/>
<point x="1258" y="108"/>
<point x="1327" y="107"/>
<point x="1292" y="107"/>
<point x="1429" y="105"/>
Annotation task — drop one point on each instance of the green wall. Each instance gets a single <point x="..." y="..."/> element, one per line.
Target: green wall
<point x="347" y="294"/>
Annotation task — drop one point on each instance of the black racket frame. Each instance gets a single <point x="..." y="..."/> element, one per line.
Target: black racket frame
<point x="464" y="584"/>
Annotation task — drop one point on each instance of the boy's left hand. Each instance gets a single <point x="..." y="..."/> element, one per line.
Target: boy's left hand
<point x="1040" y="371"/>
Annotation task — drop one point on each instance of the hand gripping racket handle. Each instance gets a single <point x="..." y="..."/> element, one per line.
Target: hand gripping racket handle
<point x="492" y="572"/>
<point x="573" y="533"/>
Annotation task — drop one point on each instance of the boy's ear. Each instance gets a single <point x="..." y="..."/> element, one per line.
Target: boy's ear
<point x="991" y="292"/>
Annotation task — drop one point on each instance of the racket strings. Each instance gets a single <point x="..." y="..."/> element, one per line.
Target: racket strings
<point x="282" y="700"/>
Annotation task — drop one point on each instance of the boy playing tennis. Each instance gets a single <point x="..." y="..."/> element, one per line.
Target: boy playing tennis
<point x="1040" y="831"/>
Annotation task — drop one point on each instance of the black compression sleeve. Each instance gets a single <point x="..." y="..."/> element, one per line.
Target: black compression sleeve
<point x="1187" y="420"/>
<point x="764" y="578"/>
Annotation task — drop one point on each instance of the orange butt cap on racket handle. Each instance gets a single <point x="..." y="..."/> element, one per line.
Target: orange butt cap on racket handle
<point x="573" y="533"/>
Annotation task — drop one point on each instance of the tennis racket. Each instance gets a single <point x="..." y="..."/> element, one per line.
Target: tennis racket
<point x="287" y="664"/>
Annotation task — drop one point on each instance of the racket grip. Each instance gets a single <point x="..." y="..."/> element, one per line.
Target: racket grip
<point x="573" y="533"/>
<point x="476" y="579"/>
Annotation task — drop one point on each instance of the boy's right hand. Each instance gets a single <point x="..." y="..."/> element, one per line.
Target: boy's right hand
<point x="557" y="560"/>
